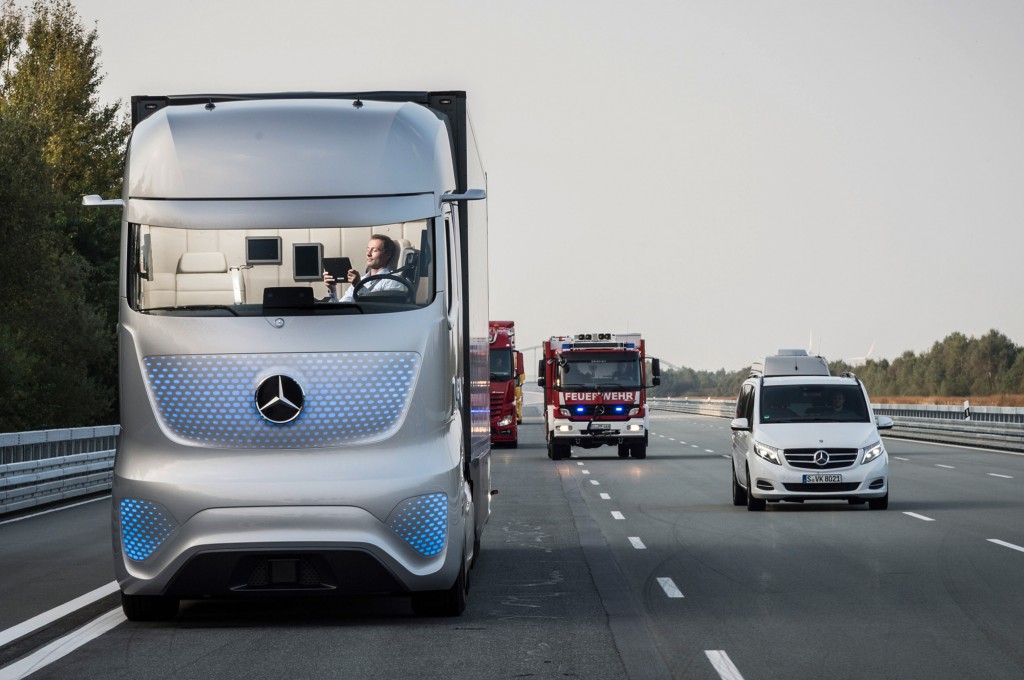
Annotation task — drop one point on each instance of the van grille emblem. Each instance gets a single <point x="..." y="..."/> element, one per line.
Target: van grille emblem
<point x="279" y="399"/>
<point x="820" y="457"/>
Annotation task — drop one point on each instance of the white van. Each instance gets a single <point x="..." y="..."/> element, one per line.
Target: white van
<point x="802" y="434"/>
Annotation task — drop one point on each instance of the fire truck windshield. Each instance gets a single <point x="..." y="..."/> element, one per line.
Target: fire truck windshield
<point x="602" y="370"/>
<point x="501" y="364"/>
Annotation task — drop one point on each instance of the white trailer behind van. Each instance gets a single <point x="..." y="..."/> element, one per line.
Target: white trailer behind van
<point x="273" y="441"/>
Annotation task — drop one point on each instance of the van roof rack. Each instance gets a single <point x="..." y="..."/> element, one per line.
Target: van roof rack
<point x="789" y="362"/>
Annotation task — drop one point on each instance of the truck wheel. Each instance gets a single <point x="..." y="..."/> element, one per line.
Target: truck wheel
<point x="753" y="504"/>
<point x="451" y="602"/>
<point x="557" y="451"/>
<point x="149" y="607"/>
<point x="623" y="450"/>
<point x="739" y="494"/>
<point x="638" y="450"/>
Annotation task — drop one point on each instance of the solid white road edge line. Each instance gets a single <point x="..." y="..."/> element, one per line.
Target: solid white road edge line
<point x="637" y="543"/>
<point x="46" y="618"/>
<point x="723" y="664"/>
<point x="47" y="512"/>
<point x="1005" y="544"/>
<point x="921" y="517"/>
<point x="669" y="587"/>
<point x="64" y="646"/>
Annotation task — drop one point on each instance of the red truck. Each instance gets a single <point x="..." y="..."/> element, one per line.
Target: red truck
<point x="595" y="392"/>
<point x="506" y="384"/>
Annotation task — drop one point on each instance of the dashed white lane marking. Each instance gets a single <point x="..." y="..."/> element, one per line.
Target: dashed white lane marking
<point x="723" y="664"/>
<point x="46" y="618"/>
<point x="637" y="543"/>
<point x="580" y="464"/>
<point x="605" y="497"/>
<point x="996" y="474"/>
<point x="948" y="467"/>
<point x="1005" y="544"/>
<point x="898" y="458"/>
<point x="63" y="646"/>
<point x="726" y="455"/>
<point x="669" y="587"/>
<point x="595" y="482"/>
<point x="920" y="517"/>
<point x="671" y="439"/>
<point x="618" y="515"/>
<point x="708" y="451"/>
<point x="586" y="472"/>
<point x="694" y="446"/>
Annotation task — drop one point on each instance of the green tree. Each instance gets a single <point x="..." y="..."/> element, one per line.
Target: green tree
<point x="57" y="142"/>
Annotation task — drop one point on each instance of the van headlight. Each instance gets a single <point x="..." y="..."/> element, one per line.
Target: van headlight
<point x="872" y="452"/>
<point x="769" y="453"/>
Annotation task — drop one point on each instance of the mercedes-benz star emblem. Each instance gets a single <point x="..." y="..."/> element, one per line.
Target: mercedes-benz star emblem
<point x="820" y="457"/>
<point x="279" y="399"/>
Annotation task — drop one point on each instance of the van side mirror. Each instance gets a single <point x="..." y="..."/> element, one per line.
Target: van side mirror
<point x="884" y="422"/>
<point x="740" y="424"/>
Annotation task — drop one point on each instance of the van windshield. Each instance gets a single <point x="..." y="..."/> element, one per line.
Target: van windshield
<point x="813" y="403"/>
<point x="254" y="272"/>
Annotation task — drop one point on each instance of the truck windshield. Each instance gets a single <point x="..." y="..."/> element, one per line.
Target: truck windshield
<point x="254" y="272"/>
<point x="501" y="364"/>
<point x="603" y="370"/>
<point x="813" y="403"/>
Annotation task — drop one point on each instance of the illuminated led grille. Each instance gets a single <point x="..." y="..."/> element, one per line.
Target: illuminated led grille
<point x="350" y="397"/>
<point x="144" y="527"/>
<point x="422" y="522"/>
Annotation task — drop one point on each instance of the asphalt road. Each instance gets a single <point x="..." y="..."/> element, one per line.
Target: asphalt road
<point x="596" y="567"/>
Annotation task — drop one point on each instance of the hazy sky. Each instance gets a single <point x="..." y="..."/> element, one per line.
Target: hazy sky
<point x="725" y="177"/>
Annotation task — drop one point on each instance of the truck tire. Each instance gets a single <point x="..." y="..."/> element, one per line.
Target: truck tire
<point x="451" y="602"/>
<point x="558" y="451"/>
<point x="149" y="607"/>
<point x="638" y="450"/>
<point x="623" y="450"/>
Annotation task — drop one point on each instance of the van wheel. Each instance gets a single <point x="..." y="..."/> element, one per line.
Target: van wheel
<point x="753" y="504"/>
<point x="451" y="602"/>
<point x="879" y="503"/>
<point x="149" y="607"/>
<point x="739" y="494"/>
<point x="638" y="450"/>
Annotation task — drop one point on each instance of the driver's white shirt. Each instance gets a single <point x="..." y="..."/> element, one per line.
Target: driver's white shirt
<point x="376" y="284"/>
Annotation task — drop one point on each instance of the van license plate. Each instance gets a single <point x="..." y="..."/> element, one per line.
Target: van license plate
<point x="823" y="479"/>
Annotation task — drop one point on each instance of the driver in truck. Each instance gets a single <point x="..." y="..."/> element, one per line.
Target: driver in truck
<point x="379" y="252"/>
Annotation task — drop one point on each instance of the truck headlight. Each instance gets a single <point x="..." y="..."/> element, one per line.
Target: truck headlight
<point x="872" y="452"/>
<point x="564" y="412"/>
<point x="634" y="412"/>
<point x="769" y="453"/>
<point x="505" y="422"/>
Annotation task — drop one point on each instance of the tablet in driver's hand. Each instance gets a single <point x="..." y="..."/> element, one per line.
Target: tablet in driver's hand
<point x="337" y="267"/>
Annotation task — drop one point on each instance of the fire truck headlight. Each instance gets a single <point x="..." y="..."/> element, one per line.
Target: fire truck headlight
<point x="565" y="428"/>
<point x="564" y="412"/>
<point x="635" y="428"/>
<point x="634" y="412"/>
<point x="505" y="422"/>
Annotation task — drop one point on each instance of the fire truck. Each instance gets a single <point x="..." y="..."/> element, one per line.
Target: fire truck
<point x="595" y="392"/>
<point x="506" y="384"/>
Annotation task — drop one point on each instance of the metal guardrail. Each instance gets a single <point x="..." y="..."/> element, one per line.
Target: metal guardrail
<point x="47" y="466"/>
<point x="995" y="427"/>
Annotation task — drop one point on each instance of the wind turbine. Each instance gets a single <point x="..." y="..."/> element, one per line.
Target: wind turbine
<point x="859" y="361"/>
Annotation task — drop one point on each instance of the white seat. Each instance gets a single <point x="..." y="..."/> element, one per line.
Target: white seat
<point x="204" y="279"/>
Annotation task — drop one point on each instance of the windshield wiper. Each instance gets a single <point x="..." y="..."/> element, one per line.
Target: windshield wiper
<point x="190" y="308"/>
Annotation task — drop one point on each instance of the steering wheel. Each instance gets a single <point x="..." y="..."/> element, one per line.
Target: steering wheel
<point x="406" y="295"/>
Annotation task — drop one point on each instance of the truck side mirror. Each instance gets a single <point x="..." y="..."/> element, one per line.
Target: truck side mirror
<point x="541" y="381"/>
<point x="655" y="372"/>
